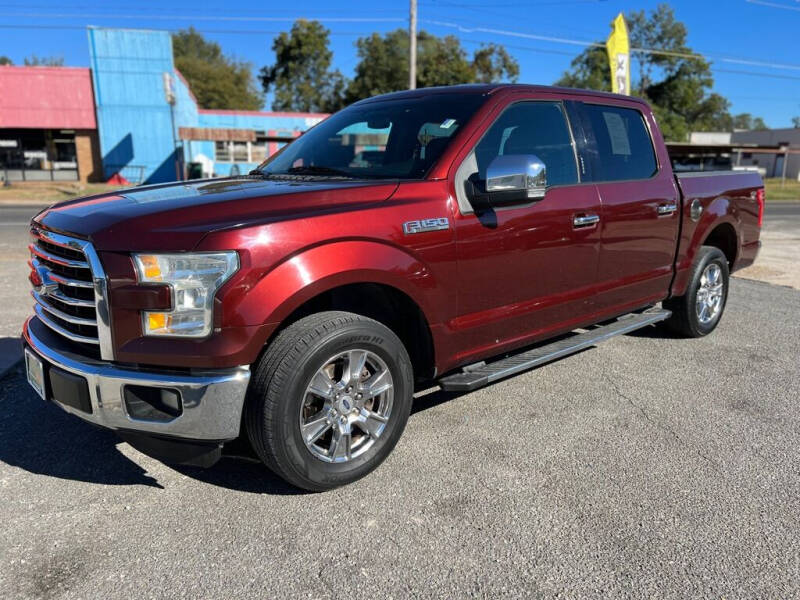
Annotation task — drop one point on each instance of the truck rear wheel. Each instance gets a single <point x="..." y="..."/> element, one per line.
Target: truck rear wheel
<point x="697" y="313"/>
<point x="329" y="399"/>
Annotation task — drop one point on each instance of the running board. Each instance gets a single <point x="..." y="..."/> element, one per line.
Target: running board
<point x="484" y="374"/>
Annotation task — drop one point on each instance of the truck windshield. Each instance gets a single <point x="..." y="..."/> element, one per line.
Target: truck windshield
<point x="392" y="139"/>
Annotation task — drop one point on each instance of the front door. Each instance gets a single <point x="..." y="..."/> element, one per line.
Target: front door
<point x="525" y="271"/>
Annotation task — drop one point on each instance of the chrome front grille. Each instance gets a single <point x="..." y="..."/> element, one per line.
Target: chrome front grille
<point x="70" y="290"/>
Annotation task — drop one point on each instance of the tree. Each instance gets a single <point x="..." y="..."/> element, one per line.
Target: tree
<point x="492" y="63"/>
<point x="4" y="60"/>
<point x="746" y="122"/>
<point x="589" y="70"/>
<point x="796" y="122"/>
<point x="676" y="82"/>
<point x="43" y="61"/>
<point x="383" y="63"/>
<point x="217" y="81"/>
<point x="301" y="75"/>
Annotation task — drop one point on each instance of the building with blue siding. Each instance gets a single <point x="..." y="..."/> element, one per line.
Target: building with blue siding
<point x="150" y="126"/>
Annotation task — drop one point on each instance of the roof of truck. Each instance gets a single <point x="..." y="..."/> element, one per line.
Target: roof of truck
<point x="493" y="88"/>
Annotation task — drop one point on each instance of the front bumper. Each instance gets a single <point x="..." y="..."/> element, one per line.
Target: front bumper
<point x="211" y="401"/>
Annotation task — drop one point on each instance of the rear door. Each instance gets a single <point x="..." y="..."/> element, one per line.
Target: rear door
<point x="640" y="204"/>
<point x="524" y="270"/>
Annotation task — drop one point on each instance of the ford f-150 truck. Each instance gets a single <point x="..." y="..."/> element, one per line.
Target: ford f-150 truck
<point x="445" y="236"/>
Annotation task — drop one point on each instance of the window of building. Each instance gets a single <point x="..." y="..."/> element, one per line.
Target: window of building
<point x="625" y="151"/>
<point x="234" y="152"/>
<point x="259" y="148"/>
<point x="222" y="151"/>
<point x="241" y="151"/>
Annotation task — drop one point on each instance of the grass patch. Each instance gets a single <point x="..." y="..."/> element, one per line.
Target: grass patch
<point x="50" y="192"/>
<point x="789" y="191"/>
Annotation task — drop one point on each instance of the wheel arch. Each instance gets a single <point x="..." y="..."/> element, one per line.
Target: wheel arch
<point x="386" y="304"/>
<point x="723" y="236"/>
<point x="375" y="280"/>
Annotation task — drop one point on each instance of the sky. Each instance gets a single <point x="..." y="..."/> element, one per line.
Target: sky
<point x="752" y="44"/>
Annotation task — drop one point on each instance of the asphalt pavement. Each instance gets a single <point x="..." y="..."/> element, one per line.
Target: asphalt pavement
<point x="648" y="467"/>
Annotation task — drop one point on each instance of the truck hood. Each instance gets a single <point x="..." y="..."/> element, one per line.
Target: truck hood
<point x="175" y="217"/>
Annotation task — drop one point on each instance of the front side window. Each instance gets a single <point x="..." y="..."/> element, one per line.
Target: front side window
<point x="624" y="148"/>
<point x="538" y="128"/>
<point x="400" y="138"/>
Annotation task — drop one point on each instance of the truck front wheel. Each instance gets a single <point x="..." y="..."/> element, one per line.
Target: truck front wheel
<point x="698" y="312"/>
<point x="329" y="399"/>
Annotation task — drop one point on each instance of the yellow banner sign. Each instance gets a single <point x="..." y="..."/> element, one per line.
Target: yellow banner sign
<point x="619" y="57"/>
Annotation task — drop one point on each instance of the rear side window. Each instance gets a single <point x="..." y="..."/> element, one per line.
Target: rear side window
<point x="624" y="148"/>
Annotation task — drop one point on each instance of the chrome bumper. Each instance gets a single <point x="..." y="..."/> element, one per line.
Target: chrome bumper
<point x="212" y="400"/>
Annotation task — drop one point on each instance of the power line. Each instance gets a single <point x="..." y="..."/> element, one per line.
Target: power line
<point x="247" y="18"/>
<point x="221" y="31"/>
<point x="773" y="5"/>
<point x="587" y="44"/>
<point x="447" y="24"/>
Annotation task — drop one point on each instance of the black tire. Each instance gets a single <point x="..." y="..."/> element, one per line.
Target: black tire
<point x="685" y="320"/>
<point x="278" y="391"/>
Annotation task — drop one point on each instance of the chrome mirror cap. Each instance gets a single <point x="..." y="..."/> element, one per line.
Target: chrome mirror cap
<point x="517" y="172"/>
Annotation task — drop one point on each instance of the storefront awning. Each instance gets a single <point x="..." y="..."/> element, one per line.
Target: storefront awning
<point x="210" y="134"/>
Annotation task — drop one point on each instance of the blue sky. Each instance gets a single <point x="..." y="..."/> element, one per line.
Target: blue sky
<point x="753" y="43"/>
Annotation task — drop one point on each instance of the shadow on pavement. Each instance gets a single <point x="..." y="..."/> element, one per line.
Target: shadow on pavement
<point x="10" y="353"/>
<point x="656" y="332"/>
<point x="41" y="438"/>
<point x="241" y="475"/>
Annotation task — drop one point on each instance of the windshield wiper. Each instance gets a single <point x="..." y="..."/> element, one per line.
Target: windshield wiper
<point x="318" y="170"/>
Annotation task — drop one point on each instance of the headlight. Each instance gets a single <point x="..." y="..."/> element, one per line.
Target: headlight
<point x="194" y="279"/>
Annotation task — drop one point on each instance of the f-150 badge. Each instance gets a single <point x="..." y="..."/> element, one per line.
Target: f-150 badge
<point x="424" y="225"/>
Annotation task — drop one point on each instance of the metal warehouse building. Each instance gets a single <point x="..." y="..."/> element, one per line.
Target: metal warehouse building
<point x="130" y="116"/>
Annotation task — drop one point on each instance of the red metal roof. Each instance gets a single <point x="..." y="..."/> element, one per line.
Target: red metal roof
<point x="46" y="98"/>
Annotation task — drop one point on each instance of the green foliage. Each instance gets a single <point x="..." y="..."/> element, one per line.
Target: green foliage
<point x="216" y="80"/>
<point x="4" y="60"/>
<point x="383" y="63"/>
<point x="493" y="63"/>
<point x="43" y="61"/>
<point x="301" y="77"/>
<point x="796" y="122"/>
<point x="677" y="84"/>
<point x="589" y="70"/>
<point x="747" y="122"/>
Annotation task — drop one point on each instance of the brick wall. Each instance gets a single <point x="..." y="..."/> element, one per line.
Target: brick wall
<point x="87" y="148"/>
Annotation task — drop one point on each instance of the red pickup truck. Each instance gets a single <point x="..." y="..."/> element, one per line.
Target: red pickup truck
<point x="441" y="236"/>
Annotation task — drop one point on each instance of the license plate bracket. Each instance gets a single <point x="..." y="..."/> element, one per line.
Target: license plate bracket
<point x="34" y="370"/>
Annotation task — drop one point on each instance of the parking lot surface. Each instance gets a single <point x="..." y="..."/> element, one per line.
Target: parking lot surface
<point x="651" y="466"/>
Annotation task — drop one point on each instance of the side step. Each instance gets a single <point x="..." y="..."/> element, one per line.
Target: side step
<point x="481" y="375"/>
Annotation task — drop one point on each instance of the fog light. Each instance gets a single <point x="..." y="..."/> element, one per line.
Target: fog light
<point x="152" y="403"/>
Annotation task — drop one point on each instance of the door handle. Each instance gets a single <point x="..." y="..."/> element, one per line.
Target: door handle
<point x="667" y="208"/>
<point x="585" y="220"/>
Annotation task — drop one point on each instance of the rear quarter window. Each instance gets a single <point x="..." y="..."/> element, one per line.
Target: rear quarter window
<point x="624" y="148"/>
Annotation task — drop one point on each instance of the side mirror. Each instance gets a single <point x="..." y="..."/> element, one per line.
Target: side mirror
<point x="516" y="178"/>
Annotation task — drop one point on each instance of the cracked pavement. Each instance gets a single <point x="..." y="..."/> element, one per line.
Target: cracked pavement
<point x="649" y="466"/>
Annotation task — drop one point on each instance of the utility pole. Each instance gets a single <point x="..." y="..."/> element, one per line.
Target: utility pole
<point x="412" y="46"/>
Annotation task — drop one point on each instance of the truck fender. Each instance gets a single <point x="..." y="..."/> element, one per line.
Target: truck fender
<point x="718" y="212"/>
<point x="311" y="272"/>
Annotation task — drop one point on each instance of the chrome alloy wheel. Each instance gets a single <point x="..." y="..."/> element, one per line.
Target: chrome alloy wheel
<point x="346" y="406"/>
<point x="708" y="303"/>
